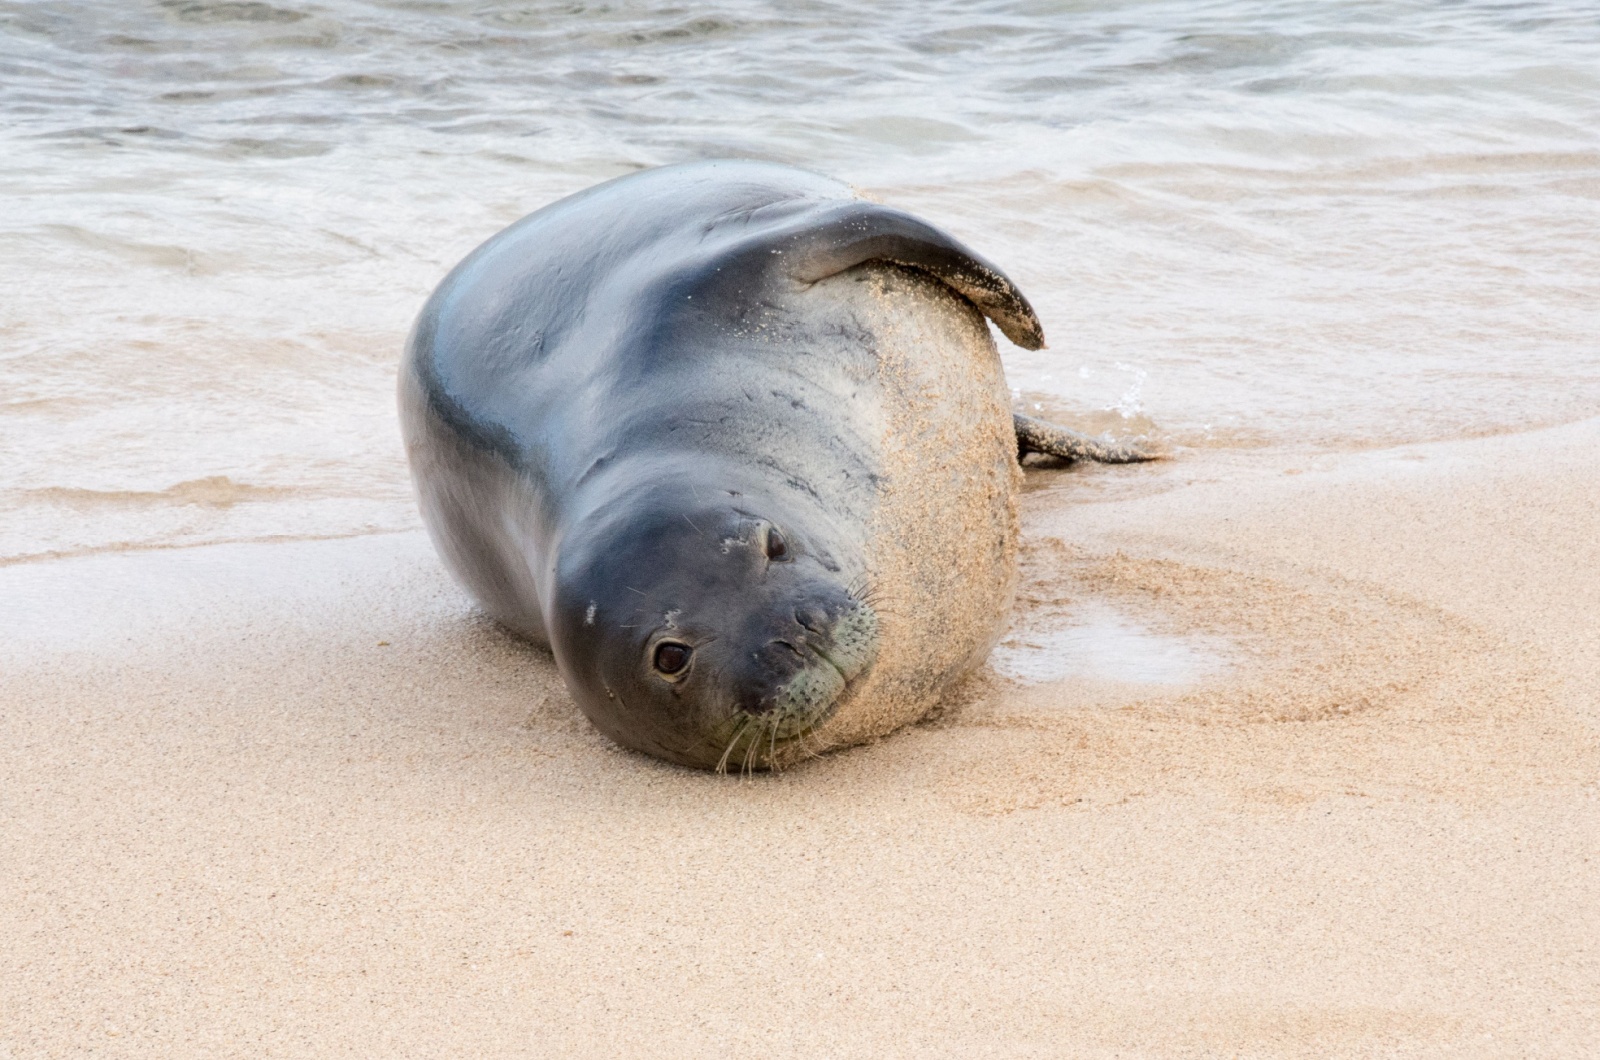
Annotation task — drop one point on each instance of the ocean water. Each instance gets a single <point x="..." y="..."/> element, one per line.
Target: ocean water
<point x="1309" y="226"/>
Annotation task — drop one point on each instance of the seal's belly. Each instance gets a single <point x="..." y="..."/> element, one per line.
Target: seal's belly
<point x="941" y="538"/>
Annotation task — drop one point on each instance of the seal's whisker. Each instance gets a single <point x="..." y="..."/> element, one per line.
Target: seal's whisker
<point x="810" y="744"/>
<point x="749" y="755"/>
<point x="801" y="738"/>
<point x="722" y="763"/>
<point x="743" y="750"/>
<point x="877" y="594"/>
<point x="755" y="750"/>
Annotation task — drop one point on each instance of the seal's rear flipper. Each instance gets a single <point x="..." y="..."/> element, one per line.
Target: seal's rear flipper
<point x="1037" y="436"/>
<point x="854" y="233"/>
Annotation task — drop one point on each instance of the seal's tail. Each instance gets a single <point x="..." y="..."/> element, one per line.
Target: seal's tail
<point x="1038" y="436"/>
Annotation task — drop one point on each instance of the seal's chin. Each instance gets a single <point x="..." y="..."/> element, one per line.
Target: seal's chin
<point x="808" y="699"/>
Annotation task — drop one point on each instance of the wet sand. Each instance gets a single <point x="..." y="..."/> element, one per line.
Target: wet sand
<point x="1327" y="784"/>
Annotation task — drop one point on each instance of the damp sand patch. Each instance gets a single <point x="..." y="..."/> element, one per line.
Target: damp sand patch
<point x="1098" y="642"/>
<point x="1130" y="676"/>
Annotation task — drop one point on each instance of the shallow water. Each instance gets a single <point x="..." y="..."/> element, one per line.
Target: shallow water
<point x="1101" y="643"/>
<point x="1301" y="225"/>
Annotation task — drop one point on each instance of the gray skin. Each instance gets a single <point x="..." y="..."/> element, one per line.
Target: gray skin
<point x="633" y="441"/>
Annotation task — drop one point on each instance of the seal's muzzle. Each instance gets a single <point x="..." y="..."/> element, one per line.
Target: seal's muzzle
<point x="796" y="682"/>
<point x="800" y="676"/>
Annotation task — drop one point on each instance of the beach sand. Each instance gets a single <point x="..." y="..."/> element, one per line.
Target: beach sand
<point x="293" y="799"/>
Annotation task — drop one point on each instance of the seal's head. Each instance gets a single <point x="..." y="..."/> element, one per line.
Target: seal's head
<point x="711" y="635"/>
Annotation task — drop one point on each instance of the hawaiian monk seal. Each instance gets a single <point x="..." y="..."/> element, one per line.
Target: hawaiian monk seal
<point x="736" y="445"/>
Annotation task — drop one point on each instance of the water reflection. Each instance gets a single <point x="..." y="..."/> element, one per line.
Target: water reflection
<point x="1099" y="643"/>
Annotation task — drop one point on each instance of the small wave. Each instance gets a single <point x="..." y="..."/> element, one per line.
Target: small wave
<point x="695" y="29"/>
<point x="165" y="255"/>
<point x="213" y="491"/>
<point x="168" y="546"/>
<point x="229" y="11"/>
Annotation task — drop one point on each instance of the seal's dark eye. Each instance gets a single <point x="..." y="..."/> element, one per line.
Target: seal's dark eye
<point x="777" y="547"/>
<point x="672" y="657"/>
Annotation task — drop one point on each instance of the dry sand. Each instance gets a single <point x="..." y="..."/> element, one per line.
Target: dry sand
<point x="292" y="799"/>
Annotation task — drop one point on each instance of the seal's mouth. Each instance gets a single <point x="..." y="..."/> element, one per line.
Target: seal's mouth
<point x="833" y="661"/>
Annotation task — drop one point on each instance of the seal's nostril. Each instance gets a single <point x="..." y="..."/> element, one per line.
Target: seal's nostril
<point x="811" y="618"/>
<point x="791" y="647"/>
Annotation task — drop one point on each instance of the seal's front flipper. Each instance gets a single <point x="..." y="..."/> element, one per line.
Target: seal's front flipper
<point x="1037" y="436"/>
<point x="827" y="242"/>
